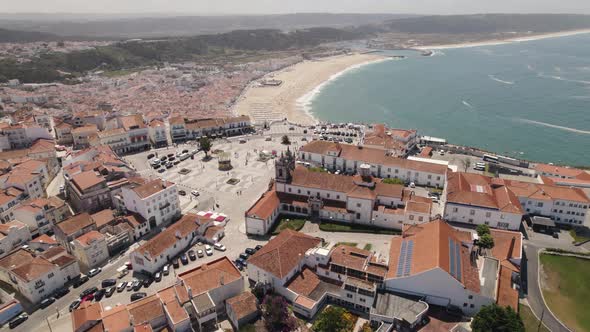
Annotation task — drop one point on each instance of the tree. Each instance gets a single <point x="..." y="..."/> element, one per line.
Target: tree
<point x="466" y="162"/>
<point x="334" y="319"/>
<point x="366" y="327"/>
<point x="483" y="229"/>
<point x="205" y="144"/>
<point x="277" y="315"/>
<point x="492" y="318"/>
<point x="486" y="241"/>
<point x="285" y="140"/>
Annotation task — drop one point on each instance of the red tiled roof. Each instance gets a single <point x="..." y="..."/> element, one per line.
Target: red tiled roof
<point x="103" y="217"/>
<point x="89" y="238"/>
<point x="166" y="239"/>
<point x="75" y="223"/>
<point x="283" y="253"/>
<point x="265" y="206"/>
<point x="86" y="180"/>
<point x="210" y="276"/>
<point x="243" y="305"/>
<point x="150" y="188"/>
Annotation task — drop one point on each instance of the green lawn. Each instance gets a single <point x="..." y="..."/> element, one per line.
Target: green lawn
<point x="531" y="323"/>
<point x="290" y="223"/>
<point x="368" y="247"/>
<point x="329" y="226"/>
<point x="567" y="290"/>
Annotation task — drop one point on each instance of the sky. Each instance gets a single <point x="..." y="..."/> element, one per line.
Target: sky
<point x="291" y="6"/>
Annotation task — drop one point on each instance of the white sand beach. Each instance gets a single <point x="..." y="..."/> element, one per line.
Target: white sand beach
<point x="505" y="41"/>
<point x="299" y="83"/>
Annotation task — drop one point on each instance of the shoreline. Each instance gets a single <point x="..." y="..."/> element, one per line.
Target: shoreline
<point x="301" y="82"/>
<point x="494" y="42"/>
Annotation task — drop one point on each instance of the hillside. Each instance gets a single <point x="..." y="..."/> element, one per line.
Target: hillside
<point x="15" y="36"/>
<point x="489" y="23"/>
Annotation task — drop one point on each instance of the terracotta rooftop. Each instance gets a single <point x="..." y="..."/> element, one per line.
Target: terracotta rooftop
<point x="210" y="275"/>
<point x="88" y="238"/>
<point x="75" y="223"/>
<point x="167" y="238"/>
<point x="103" y="217"/>
<point x="34" y="269"/>
<point x="265" y="206"/>
<point x="146" y="309"/>
<point x="243" y="305"/>
<point x="44" y="238"/>
<point x="370" y="155"/>
<point x="304" y="283"/>
<point x="86" y="312"/>
<point x="432" y="249"/>
<point x="561" y="171"/>
<point x="283" y="253"/>
<point x="116" y="319"/>
<point x="150" y="188"/>
<point x="357" y="259"/>
<point x="86" y="180"/>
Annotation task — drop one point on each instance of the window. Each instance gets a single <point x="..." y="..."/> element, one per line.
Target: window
<point x="472" y="212"/>
<point x="358" y="205"/>
<point x="49" y="276"/>
<point x="412" y="217"/>
<point x="328" y="195"/>
<point x="540" y="204"/>
<point x="420" y="218"/>
<point x="464" y="304"/>
<point x="488" y="214"/>
<point x="363" y="300"/>
<point x="429" y="177"/>
<point x="470" y="297"/>
<point x="349" y="296"/>
<point x="455" y="210"/>
<point x="299" y="191"/>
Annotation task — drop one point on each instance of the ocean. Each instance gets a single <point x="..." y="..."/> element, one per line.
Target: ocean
<point x="529" y="100"/>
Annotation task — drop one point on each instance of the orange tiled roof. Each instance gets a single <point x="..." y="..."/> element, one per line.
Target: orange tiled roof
<point x="243" y="305"/>
<point x="265" y="206"/>
<point x="210" y="276"/>
<point x="283" y="253"/>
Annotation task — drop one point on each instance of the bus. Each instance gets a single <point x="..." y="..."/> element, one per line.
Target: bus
<point x="491" y="159"/>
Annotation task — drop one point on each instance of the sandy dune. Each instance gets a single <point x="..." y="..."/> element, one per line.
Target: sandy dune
<point x="268" y="103"/>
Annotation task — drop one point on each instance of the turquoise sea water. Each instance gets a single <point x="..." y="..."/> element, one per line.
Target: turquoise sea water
<point x="529" y="100"/>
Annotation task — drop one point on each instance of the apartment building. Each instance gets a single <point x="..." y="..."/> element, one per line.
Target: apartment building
<point x="36" y="277"/>
<point x="63" y="133"/>
<point x="23" y="135"/>
<point x="360" y="199"/>
<point x="91" y="250"/>
<point x="477" y="199"/>
<point x="41" y="214"/>
<point x="117" y="139"/>
<point x="92" y="118"/>
<point x="30" y="182"/>
<point x="157" y="131"/>
<point x="9" y="200"/>
<point x="82" y="136"/>
<point x="153" y="254"/>
<point x="137" y="132"/>
<point x="562" y="176"/>
<point x="397" y="142"/>
<point x="70" y="229"/>
<point x="156" y="201"/>
<point x="185" y="129"/>
<point x="13" y="234"/>
<point x="347" y="158"/>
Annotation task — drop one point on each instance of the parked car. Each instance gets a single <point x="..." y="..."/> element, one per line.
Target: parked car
<point x="169" y="165"/>
<point x="47" y="302"/>
<point x="74" y="305"/>
<point x="137" y="296"/>
<point x="18" y="320"/>
<point x="156" y="166"/>
<point x="61" y="292"/>
<point x="164" y="158"/>
<point x="99" y="294"/>
<point x="244" y="256"/>
<point x="136" y="285"/>
<point x="195" y="193"/>
<point x="219" y="246"/>
<point x="88" y="291"/>
<point x="183" y="259"/>
<point x="110" y="291"/>
<point x="412" y="185"/>
<point x="176" y="162"/>
<point x="121" y="286"/>
<point x="94" y="272"/>
<point x="171" y="158"/>
<point x="108" y="283"/>
<point x="150" y="156"/>
<point x="88" y="298"/>
<point x="242" y="262"/>
<point x="184" y="151"/>
<point x="200" y="253"/>
<point x="250" y="251"/>
<point x="147" y="282"/>
<point x="258" y="247"/>
<point x="158" y="276"/>
<point x="208" y="250"/>
<point x="191" y="255"/>
<point x="130" y="284"/>
<point x="194" y="152"/>
<point x="162" y="170"/>
<point x="166" y="269"/>
<point x="170" y="155"/>
<point x="182" y="193"/>
<point x="78" y="282"/>
<point x="175" y="263"/>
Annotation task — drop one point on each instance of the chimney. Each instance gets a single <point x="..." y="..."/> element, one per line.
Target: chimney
<point x="221" y="281"/>
<point x="190" y="292"/>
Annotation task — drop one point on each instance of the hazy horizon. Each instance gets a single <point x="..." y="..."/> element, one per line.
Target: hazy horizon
<point x="258" y="7"/>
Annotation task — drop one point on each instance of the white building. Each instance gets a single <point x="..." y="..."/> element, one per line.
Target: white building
<point x="9" y="200"/>
<point x="13" y="234"/>
<point x="441" y="264"/>
<point x="359" y="199"/>
<point x="91" y="250"/>
<point x="348" y="158"/>
<point x="157" y="131"/>
<point x="156" y="201"/>
<point x="137" y="132"/>
<point x="397" y="142"/>
<point x="159" y="250"/>
<point x="41" y="214"/>
<point x="476" y="199"/>
<point x="182" y="128"/>
<point x="117" y="139"/>
<point x="38" y="277"/>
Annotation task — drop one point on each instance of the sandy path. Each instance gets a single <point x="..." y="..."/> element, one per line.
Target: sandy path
<point x="275" y="103"/>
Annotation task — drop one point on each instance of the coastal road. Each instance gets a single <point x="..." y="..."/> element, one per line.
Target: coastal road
<point x="533" y="290"/>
